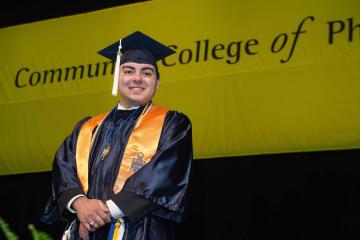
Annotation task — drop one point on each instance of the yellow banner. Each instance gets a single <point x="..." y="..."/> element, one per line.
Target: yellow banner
<point x="254" y="77"/>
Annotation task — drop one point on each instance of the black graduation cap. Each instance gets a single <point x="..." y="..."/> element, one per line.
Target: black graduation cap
<point x="136" y="47"/>
<point x="137" y="41"/>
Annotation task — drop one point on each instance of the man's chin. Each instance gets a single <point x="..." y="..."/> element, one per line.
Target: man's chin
<point x="137" y="102"/>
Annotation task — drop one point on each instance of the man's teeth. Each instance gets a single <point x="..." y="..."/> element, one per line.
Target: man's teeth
<point x="137" y="88"/>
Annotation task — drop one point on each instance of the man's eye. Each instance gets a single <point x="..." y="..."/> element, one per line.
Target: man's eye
<point x="127" y="71"/>
<point x="148" y="73"/>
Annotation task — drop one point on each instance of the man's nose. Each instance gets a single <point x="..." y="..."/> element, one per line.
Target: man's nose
<point x="137" y="76"/>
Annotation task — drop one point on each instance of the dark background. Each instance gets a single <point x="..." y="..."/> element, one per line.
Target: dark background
<point x="14" y="12"/>
<point x="313" y="195"/>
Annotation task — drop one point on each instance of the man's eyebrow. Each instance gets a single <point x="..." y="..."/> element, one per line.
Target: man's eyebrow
<point x="142" y="69"/>
<point x="148" y="68"/>
<point x="127" y="67"/>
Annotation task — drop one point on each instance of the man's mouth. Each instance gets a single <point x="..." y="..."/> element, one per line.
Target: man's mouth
<point x="136" y="88"/>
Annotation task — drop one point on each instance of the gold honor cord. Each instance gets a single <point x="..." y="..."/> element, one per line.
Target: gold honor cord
<point x="107" y="149"/>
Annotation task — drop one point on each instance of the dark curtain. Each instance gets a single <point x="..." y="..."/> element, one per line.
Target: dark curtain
<point x="311" y="195"/>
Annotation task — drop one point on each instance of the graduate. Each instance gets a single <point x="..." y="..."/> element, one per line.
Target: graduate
<point x="124" y="174"/>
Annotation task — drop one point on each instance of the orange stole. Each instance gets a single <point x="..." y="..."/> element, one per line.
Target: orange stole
<point x="140" y="149"/>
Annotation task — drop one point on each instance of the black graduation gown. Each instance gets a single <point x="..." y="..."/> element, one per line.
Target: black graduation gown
<point x="152" y="199"/>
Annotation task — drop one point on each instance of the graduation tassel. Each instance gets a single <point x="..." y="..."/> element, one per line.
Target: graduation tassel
<point x="68" y="232"/>
<point x="117" y="70"/>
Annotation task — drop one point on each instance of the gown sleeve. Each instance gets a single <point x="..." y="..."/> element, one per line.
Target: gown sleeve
<point x="65" y="183"/>
<point x="160" y="187"/>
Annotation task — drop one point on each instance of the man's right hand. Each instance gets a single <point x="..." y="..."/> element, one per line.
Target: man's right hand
<point x="83" y="232"/>
<point x="92" y="213"/>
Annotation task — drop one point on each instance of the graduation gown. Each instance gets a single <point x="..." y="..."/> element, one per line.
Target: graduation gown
<point x="152" y="199"/>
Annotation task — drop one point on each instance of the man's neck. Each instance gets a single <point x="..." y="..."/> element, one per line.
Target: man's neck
<point x="120" y="107"/>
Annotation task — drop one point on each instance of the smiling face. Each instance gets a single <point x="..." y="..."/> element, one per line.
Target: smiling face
<point x="137" y="84"/>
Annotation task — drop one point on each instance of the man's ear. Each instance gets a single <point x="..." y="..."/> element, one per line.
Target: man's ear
<point x="157" y="84"/>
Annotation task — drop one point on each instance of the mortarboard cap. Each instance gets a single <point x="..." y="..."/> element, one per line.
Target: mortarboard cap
<point x="139" y="41"/>
<point x="136" y="47"/>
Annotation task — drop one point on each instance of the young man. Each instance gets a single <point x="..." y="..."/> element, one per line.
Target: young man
<point x="124" y="174"/>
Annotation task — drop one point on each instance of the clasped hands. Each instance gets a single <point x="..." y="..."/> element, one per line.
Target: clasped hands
<point x="92" y="214"/>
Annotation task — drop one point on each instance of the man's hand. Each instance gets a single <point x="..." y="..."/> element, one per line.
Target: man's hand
<point x="92" y="213"/>
<point x="83" y="232"/>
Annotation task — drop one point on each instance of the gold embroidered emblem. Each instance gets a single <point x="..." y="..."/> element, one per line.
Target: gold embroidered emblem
<point x="105" y="152"/>
<point x="137" y="162"/>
